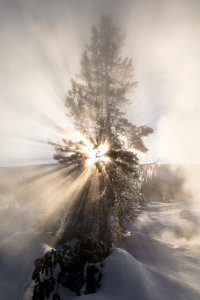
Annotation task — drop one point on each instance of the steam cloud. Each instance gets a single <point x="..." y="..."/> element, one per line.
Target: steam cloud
<point x="41" y="50"/>
<point x="41" y="46"/>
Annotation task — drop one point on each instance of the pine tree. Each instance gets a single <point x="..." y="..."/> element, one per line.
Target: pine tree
<point x="96" y="102"/>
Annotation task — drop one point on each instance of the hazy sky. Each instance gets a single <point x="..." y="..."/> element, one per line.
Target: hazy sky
<point x="41" y="45"/>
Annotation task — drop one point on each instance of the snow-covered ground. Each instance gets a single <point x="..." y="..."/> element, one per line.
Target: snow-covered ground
<point x="160" y="260"/>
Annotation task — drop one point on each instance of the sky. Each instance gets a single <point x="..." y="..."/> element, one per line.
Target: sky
<point x="41" y="46"/>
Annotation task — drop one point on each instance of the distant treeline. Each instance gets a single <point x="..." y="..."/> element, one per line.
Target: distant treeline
<point x="163" y="182"/>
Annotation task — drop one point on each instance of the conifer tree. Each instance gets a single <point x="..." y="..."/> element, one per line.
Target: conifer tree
<point x="97" y="103"/>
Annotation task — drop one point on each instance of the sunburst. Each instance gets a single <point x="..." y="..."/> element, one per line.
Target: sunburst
<point x="96" y="154"/>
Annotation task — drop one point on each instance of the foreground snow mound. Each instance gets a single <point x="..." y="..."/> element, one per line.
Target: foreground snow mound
<point x="152" y="266"/>
<point x="155" y="265"/>
<point x="126" y="278"/>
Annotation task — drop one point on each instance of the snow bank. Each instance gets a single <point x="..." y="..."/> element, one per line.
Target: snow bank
<point x="152" y="267"/>
<point x="127" y="278"/>
<point x="149" y="268"/>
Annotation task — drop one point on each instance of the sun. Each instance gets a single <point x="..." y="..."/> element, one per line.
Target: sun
<point x="97" y="154"/>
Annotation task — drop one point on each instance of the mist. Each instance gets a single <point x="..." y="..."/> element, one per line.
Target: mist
<point x="41" y="47"/>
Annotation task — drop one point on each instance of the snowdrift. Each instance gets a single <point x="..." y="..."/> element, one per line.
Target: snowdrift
<point x="127" y="278"/>
<point x="147" y="268"/>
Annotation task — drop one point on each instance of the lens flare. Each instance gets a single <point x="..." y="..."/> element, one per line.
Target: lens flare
<point x="97" y="154"/>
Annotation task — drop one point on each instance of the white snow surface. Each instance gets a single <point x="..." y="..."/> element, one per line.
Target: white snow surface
<point x="160" y="260"/>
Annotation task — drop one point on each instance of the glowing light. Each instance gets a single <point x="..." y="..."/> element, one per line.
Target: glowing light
<point x="97" y="154"/>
